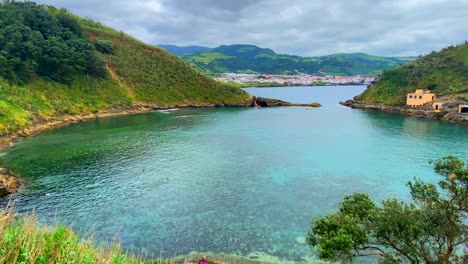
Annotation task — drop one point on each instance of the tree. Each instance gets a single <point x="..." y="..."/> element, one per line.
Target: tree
<point x="42" y="41"/>
<point x="432" y="229"/>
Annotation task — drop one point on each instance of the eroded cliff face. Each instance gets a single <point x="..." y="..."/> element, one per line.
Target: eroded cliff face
<point x="9" y="183"/>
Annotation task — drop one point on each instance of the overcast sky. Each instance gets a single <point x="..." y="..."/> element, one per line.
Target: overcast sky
<point x="299" y="27"/>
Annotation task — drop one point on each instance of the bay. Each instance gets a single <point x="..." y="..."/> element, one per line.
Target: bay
<point x="241" y="180"/>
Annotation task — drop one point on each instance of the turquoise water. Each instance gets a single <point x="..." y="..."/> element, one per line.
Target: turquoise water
<point x="240" y="180"/>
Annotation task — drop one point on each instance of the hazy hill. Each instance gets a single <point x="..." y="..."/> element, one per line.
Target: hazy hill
<point x="444" y="72"/>
<point x="177" y="50"/>
<point x="54" y="63"/>
<point x="253" y="59"/>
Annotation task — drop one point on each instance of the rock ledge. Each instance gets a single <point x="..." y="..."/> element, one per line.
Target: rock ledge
<point x="267" y="102"/>
<point x="8" y="182"/>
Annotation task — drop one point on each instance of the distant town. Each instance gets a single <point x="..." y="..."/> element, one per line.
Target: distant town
<point x="292" y="80"/>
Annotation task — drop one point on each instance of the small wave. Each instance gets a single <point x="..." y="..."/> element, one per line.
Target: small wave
<point x="168" y="110"/>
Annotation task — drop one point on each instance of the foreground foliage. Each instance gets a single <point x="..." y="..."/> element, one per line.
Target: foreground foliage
<point x="433" y="229"/>
<point x="23" y="240"/>
<point x="444" y="72"/>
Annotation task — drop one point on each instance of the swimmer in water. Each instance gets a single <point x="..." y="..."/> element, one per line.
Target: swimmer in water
<point x="166" y="180"/>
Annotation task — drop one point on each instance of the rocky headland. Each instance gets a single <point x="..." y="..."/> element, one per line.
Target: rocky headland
<point x="450" y="114"/>
<point x="267" y="102"/>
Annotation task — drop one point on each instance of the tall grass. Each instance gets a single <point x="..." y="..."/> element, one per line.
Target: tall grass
<point x="24" y="240"/>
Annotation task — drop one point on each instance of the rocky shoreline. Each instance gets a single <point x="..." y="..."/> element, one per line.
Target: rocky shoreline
<point x="267" y="102"/>
<point x="9" y="183"/>
<point x="449" y="116"/>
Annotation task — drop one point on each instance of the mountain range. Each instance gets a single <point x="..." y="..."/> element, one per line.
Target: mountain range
<point x="242" y="58"/>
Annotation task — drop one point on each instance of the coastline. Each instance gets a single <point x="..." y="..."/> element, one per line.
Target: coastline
<point x="429" y="114"/>
<point x="11" y="182"/>
<point x="64" y="120"/>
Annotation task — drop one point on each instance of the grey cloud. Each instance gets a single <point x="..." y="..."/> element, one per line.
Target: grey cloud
<point x="302" y="27"/>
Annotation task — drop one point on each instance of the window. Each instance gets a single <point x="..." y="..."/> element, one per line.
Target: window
<point x="420" y="97"/>
<point x="410" y="96"/>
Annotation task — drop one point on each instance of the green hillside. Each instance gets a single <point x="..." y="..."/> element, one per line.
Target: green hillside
<point x="54" y="63"/>
<point x="444" y="72"/>
<point x="252" y="59"/>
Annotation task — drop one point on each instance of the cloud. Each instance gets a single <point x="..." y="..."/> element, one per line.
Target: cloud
<point x="302" y="27"/>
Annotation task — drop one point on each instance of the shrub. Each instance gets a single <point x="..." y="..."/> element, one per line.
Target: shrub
<point x="105" y="46"/>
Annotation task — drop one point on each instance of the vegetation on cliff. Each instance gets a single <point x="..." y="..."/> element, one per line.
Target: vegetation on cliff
<point x="433" y="229"/>
<point x="444" y="72"/>
<point x="54" y="63"/>
<point x="252" y="59"/>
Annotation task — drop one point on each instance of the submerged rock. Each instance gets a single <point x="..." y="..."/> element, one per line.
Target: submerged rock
<point x="8" y="182"/>
<point x="301" y="240"/>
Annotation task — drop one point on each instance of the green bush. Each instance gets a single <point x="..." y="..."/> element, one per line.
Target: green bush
<point x="105" y="46"/>
<point x="432" y="229"/>
<point x="39" y="40"/>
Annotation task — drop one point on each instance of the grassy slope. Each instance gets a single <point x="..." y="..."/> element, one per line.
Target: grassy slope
<point x="143" y="74"/>
<point x="444" y="72"/>
<point x="20" y="106"/>
<point x="158" y="77"/>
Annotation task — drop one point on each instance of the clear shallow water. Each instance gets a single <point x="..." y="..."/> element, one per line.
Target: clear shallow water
<point x="241" y="180"/>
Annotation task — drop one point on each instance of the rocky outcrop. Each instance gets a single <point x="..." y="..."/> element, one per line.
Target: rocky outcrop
<point x="450" y="116"/>
<point x="267" y="102"/>
<point x="315" y="104"/>
<point x="8" y="182"/>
